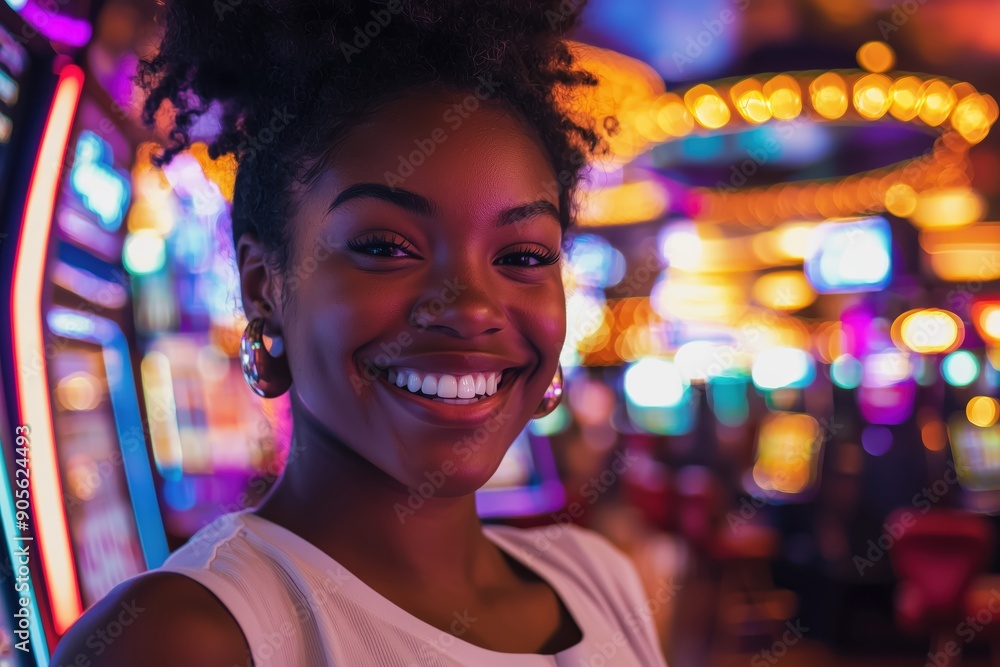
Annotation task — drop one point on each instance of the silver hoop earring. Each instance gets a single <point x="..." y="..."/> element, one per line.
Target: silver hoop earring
<point x="267" y="375"/>
<point x="553" y="395"/>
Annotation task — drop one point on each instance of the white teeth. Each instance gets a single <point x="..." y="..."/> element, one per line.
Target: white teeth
<point x="467" y="386"/>
<point x="448" y="386"/>
<point x="459" y="389"/>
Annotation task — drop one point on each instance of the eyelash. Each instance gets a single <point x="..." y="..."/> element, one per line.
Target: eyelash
<point x="382" y="241"/>
<point x="378" y="241"/>
<point x="546" y="258"/>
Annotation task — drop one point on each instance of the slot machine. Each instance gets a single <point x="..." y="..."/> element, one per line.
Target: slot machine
<point x="28" y="88"/>
<point x="69" y="366"/>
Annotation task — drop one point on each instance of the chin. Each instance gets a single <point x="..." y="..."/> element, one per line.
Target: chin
<point x="457" y="470"/>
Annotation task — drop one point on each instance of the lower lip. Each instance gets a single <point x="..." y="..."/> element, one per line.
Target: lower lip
<point x="450" y="414"/>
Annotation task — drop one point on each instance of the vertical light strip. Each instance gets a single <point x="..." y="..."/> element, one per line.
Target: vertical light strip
<point x="29" y="350"/>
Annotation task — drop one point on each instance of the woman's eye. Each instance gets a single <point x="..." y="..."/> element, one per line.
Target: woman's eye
<point x="381" y="245"/>
<point x="528" y="257"/>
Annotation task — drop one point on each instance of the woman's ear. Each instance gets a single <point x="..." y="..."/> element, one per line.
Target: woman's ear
<point x="260" y="283"/>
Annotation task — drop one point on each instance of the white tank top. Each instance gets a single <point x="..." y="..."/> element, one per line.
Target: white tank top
<point x="298" y="607"/>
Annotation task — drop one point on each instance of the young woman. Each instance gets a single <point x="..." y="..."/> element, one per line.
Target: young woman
<point x="405" y="179"/>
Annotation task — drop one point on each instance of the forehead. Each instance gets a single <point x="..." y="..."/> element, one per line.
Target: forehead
<point x="452" y="148"/>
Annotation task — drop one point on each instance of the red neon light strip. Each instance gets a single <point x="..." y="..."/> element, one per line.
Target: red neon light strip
<point x="29" y="350"/>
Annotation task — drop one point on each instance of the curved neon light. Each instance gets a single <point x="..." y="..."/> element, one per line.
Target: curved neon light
<point x="29" y="348"/>
<point x="57" y="27"/>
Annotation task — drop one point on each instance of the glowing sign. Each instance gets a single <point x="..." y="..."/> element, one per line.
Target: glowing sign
<point x="850" y="256"/>
<point x="789" y="448"/>
<point x="101" y="189"/>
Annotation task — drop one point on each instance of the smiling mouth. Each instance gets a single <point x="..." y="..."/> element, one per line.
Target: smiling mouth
<point x="449" y="388"/>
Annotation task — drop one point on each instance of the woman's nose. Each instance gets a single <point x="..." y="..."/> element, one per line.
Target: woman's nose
<point x="463" y="305"/>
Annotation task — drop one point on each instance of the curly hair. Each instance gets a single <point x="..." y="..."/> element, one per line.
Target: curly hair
<point x="292" y="77"/>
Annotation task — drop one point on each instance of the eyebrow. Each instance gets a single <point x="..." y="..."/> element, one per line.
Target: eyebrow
<point x="420" y="205"/>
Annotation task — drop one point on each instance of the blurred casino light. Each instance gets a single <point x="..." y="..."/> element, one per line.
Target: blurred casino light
<point x="983" y="411"/>
<point x="876" y="56"/>
<point x="595" y="262"/>
<point x="784" y="290"/>
<point x="851" y="256"/>
<point x="928" y="331"/>
<point x="654" y="383"/>
<point x="144" y="252"/>
<point x="783" y="368"/>
<point x="946" y="208"/>
<point x="960" y="368"/>
<point x="986" y="318"/>
<point x="845" y="372"/>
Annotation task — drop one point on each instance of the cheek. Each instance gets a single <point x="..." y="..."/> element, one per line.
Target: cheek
<point x="332" y="320"/>
<point x="544" y="318"/>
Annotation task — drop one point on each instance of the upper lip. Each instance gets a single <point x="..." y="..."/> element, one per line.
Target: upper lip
<point x="455" y="363"/>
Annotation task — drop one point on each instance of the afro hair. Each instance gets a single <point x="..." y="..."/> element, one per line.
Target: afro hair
<point x="292" y="77"/>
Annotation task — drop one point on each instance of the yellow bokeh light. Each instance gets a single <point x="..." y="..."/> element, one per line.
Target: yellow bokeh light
<point x="947" y="208"/>
<point x="79" y="391"/>
<point x="876" y="56"/>
<point x="753" y="107"/>
<point x="784" y="290"/>
<point x="828" y="93"/>
<point x="673" y="117"/>
<point x="872" y="96"/>
<point x="971" y="118"/>
<point x="788" y="452"/>
<point x="750" y="102"/>
<point x="707" y="106"/>
<point x="784" y="97"/>
<point x="900" y="199"/>
<point x="928" y="331"/>
<point x="990" y="321"/>
<point x="905" y="95"/>
<point x="623" y="204"/>
<point x="936" y="101"/>
<point x="983" y="411"/>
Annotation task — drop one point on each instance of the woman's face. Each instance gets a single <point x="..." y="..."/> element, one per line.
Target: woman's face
<point x="449" y="284"/>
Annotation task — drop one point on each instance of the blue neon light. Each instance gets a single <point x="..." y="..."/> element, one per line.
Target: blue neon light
<point x="851" y="256"/>
<point x="102" y="190"/>
<point x="125" y="404"/>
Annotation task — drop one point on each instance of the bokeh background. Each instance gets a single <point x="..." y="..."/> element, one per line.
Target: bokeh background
<point x="784" y="328"/>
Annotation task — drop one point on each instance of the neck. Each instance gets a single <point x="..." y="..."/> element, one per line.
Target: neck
<point x="362" y="517"/>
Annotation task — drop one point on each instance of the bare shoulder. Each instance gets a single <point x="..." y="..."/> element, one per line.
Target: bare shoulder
<point x="156" y="620"/>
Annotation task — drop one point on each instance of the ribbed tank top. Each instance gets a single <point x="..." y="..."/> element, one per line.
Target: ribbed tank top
<point x="298" y="607"/>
